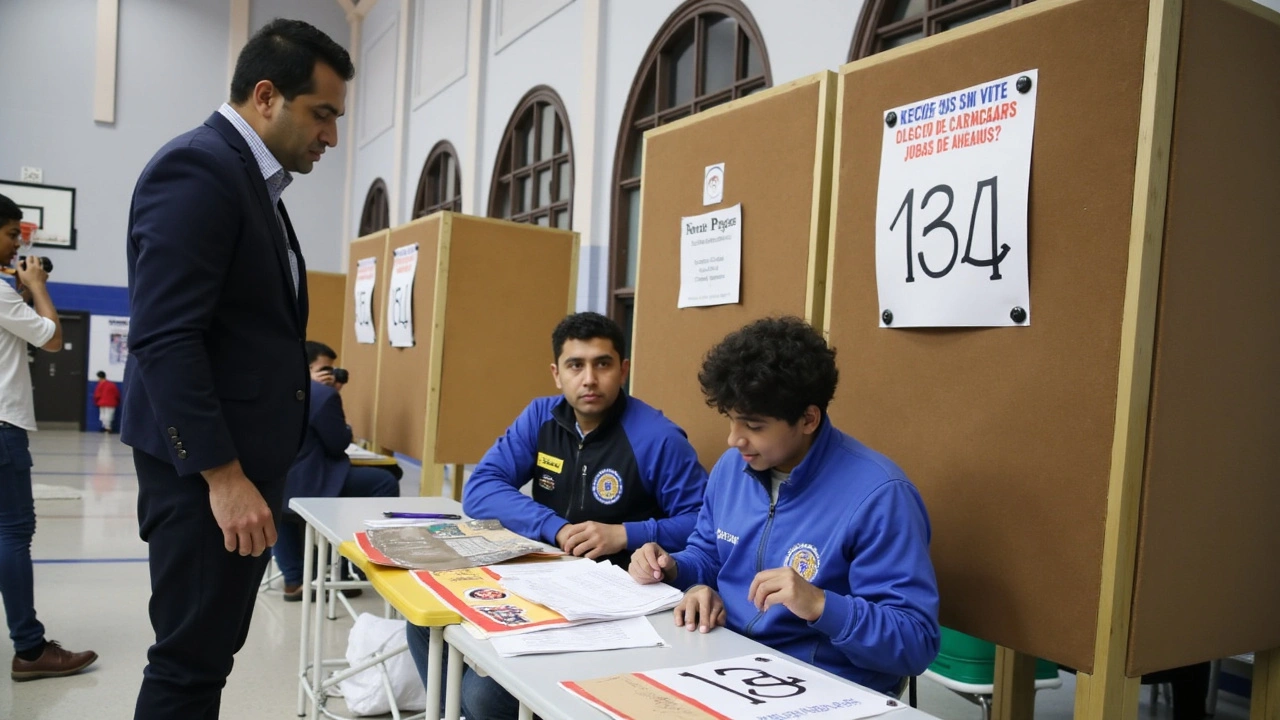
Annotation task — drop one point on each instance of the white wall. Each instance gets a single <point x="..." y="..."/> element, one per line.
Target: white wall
<point x="171" y="75"/>
<point x="550" y="53"/>
<point x="46" y="119"/>
<point x="373" y="107"/>
<point x="314" y="200"/>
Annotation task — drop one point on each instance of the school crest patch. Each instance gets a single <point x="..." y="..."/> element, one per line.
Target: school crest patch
<point x="803" y="558"/>
<point x="607" y="486"/>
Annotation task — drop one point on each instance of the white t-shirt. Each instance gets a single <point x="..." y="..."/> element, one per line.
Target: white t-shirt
<point x="19" y="325"/>
<point x="778" y="477"/>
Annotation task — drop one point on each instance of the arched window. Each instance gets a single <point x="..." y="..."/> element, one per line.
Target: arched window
<point x="707" y="53"/>
<point x="440" y="186"/>
<point x="887" y="24"/>
<point x="533" y="180"/>
<point x="377" y="213"/>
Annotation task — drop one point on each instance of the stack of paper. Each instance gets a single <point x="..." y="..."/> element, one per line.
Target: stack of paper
<point x="615" y="635"/>
<point x="586" y="591"/>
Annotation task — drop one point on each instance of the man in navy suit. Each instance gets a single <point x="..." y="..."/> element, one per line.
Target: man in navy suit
<point x="216" y="400"/>
<point x="322" y="468"/>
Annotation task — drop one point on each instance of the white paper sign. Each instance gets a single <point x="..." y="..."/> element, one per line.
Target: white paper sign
<point x="400" y="299"/>
<point x="713" y="184"/>
<point x="108" y="346"/>
<point x="951" y="213"/>
<point x="366" y="278"/>
<point x="711" y="258"/>
<point x="767" y="686"/>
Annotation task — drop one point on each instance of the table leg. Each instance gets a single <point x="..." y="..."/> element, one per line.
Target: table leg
<point x="317" y="640"/>
<point x="435" y="653"/>
<point x="308" y="562"/>
<point x="453" y="685"/>
<point x="525" y="712"/>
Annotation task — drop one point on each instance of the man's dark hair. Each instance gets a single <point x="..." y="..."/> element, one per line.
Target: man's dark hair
<point x="587" y="326"/>
<point x="285" y="52"/>
<point x="9" y="211"/>
<point x="775" y="367"/>
<point x="316" y="349"/>
<point x="102" y="375"/>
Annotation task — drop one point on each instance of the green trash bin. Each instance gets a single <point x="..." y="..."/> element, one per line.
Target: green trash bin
<point x="966" y="659"/>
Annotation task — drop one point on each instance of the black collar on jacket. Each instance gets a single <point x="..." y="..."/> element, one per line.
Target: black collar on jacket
<point x="563" y="413"/>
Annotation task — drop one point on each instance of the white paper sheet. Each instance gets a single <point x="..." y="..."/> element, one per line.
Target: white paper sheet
<point x="366" y="280"/>
<point x="711" y="258"/>
<point x="612" y="635"/>
<point x="951" y="208"/>
<point x="583" y="591"/>
<point x="400" y="298"/>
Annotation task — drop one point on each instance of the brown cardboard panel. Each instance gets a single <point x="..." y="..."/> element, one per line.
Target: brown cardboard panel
<point x="769" y="146"/>
<point x="403" y="386"/>
<point x="324" y="296"/>
<point x="509" y="285"/>
<point x="1007" y="432"/>
<point x="1207" y="585"/>
<point x="359" y="397"/>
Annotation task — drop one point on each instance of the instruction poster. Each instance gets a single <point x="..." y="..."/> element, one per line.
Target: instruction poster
<point x="711" y="258"/>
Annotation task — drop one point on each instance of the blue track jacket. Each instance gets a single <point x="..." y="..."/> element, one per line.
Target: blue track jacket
<point x="636" y="469"/>
<point x="848" y="521"/>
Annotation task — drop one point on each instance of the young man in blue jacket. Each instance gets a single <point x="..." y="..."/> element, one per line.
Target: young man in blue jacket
<point x="609" y="474"/>
<point x="808" y="541"/>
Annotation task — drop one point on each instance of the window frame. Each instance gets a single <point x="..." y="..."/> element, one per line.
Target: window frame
<point x="430" y="178"/>
<point x="506" y="173"/>
<point x="688" y="17"/>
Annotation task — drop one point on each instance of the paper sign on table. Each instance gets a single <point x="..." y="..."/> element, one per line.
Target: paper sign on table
<point x="751" y="687"/>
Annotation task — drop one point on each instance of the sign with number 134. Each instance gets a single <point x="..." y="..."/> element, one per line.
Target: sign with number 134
<point x="951" y="210"/>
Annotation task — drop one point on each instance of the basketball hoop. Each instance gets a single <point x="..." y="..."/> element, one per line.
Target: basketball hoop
<point x="28" y="229"/>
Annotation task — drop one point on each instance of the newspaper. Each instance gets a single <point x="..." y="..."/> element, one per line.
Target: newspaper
<point x="447" y="545"/>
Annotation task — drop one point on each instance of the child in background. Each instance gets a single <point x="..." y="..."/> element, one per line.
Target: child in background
<point x="106" y="396"/>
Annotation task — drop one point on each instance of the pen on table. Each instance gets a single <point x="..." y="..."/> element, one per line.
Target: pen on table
<point x="429" y="516"/>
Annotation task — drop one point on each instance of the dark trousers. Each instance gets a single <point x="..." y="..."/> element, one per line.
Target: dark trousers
<point x="17" y="526"/>
<point x="201" y="595"/>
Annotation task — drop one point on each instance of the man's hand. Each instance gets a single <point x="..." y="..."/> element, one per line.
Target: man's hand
<point x="322" y="375"/>
<point x="701" y="608"/>
<point x="31" y="272"/>
<point x="592" y="539"/>
<point x="783" y="586"/>
<point x="238" y="507"/>
<point x="651" y="564"/>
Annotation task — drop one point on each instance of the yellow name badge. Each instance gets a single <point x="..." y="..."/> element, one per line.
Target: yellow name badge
<point x="550" y="463"/>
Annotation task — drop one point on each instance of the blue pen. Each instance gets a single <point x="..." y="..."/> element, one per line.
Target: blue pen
<point x="426" y="516"/>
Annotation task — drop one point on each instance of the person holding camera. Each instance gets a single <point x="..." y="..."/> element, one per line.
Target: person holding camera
<point x="321" y="468"/>
<point x="34" y="656"/>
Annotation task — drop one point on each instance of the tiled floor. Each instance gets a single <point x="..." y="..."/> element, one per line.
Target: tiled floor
<point x="92" y="589"/>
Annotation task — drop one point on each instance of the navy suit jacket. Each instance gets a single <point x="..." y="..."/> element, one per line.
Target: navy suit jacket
<point x="321" y="467"/>
<point x="217" y="369"/>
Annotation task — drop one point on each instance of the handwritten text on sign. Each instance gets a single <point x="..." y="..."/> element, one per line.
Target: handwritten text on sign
<point x="711" y="258"/>
<point x="366" y="278"/>
<point x="951" y="212"/>
<point x="400" y="298"/>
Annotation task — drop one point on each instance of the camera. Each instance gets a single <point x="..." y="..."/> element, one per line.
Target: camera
<point x="340" y="375"/>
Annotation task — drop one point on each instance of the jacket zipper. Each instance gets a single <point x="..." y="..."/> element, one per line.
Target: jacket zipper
<point x="764" y="539"/>
<point x="582" y="484"/>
